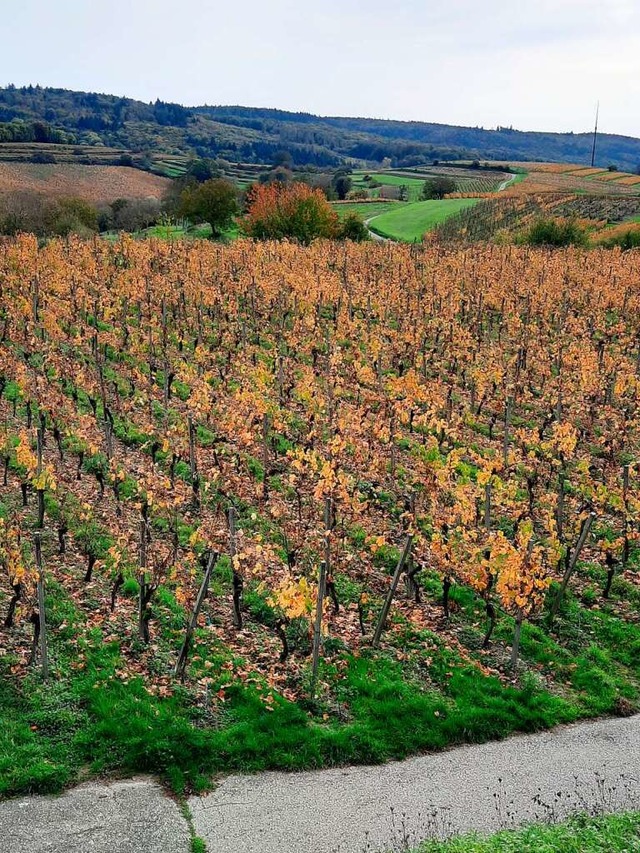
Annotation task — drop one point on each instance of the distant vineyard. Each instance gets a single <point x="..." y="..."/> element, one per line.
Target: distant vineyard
<point x="468" y="181"/>
<point x="591" y="181"/>
<point x="510" y="214"/>
<point x="488" y="217"/>
<point x="29" y="152"/>
<point x="92" y="183"/>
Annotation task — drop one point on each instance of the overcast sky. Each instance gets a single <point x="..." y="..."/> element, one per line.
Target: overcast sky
<point x="533" y="64"/>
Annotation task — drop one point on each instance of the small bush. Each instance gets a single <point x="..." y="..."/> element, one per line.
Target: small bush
<point x="555" y="232"/>
<point x="353" y="228"/>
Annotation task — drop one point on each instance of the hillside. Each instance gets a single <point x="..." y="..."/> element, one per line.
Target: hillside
<point x="174" y="415"/>
<point x="256" y="135"/>
<point x="92" y="183"/>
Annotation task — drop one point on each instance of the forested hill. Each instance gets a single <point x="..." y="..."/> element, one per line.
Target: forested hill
<point x="37" y="114"/>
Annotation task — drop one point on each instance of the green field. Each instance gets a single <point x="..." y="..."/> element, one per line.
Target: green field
<point x="367" y="210"/>
<point x="410" y="222"/>
<point x="414" y="185"/>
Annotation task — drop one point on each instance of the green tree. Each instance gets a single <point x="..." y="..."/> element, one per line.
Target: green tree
<point x="353" y="228"/>
<point x="215" y="201"/>
<point x="438" y="187"/>
<point x="341" y="183"/>
<point x="71" y="216"/>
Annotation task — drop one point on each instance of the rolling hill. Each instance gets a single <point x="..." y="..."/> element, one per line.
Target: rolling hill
<point x="248" y="134"/>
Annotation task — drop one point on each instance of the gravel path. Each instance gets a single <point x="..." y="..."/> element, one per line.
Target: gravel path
<point x="124" y="817"/>
<point x="377" y="237"/>
<point x="595" y="766"/>
<point x="333" y="810"/>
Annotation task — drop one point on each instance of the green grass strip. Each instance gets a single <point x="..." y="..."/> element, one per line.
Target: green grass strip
<point x="611" y="834"/>
<point x="412" y="221"/>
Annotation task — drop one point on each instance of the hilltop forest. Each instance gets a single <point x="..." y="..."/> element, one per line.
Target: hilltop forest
<point x="247" y="134"/>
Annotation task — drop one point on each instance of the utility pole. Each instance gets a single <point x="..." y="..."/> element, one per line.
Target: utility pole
<point x="595" y="136"/>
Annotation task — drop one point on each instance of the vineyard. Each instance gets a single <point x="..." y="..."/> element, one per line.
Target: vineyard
<point x="468" y="181"/>
<point x="273" y="506"/>
<point x="594" y="182"/>
<point x="92" y="183"/>
<point x="509" y="215"/>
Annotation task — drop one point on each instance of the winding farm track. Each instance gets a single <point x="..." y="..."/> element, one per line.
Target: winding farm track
<point x="594" y="765"/>
<point x="377" y="237"/>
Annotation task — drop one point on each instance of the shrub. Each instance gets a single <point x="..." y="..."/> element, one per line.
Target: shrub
<point x="555" y="232"/>
<point x="353" y="228"/>
<point x="276" y="211"/>
<point x="43" y="157"/>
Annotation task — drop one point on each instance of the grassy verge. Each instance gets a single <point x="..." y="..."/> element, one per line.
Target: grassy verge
<point x="89" y="719"/>
<point x="418" y="695"/>
<point x="612" y="834"/>
<point x="412" y="221"/>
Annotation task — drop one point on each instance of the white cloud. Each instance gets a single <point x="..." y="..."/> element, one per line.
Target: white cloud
<point x="535" y="64"/>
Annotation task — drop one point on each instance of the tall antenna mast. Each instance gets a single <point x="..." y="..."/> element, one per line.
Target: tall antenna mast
<point x="595" y="136"/>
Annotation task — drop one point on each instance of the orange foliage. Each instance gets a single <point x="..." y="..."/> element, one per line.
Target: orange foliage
<point x="294" y="210"/>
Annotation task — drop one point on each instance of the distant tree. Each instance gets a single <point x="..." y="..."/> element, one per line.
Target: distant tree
<point x="202" y="170"/>
<point x="342" y="185"/>
<point x="41" y="131"/>
<point x="284" y="159"/>
<point x="129" y="214"/>
<point x="390" y="192"/>
<point x="612" y="168"/>
<point x="278" y="175"/>
<point x="438" y="187"/>
<point x="215" y="201"/>
<point x="276" y="211"/>
<point x="43" y="157"/>
<point x="71" y="216"/>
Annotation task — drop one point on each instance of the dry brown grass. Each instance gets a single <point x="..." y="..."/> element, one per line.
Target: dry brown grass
<point x="92" y="183"/>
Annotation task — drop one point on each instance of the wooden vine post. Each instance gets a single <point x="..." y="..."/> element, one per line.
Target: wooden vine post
<point x="265" y="455"/>
<point x="143" y="598"/>
<point x="322" y="583"/>
<point x="42" y="620"/>
<point x="40" y="490"/>
<point x="317" y="628"/>
<point x="488" y="604"/>
<point x="193" y="466"/>
<point x="238" y="583"/>
<point x="487" y="507"/>
<point x="625" y="501"/>
<point x="384" y="613"/>
<point x="204" y="587"/>
<point x="505" y="439"/>
<point x="572" y="560"/>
